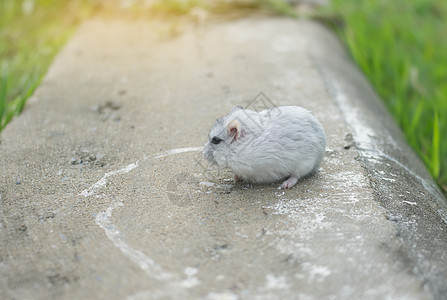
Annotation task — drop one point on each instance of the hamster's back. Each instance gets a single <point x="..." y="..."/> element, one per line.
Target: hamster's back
<point x="291" y="143"/>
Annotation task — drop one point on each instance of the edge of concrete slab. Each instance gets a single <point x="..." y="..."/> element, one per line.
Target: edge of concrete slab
<point x="400" y="181"/>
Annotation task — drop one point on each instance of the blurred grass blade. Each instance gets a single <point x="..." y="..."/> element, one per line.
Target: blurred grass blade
<point x="435" y="161"/>
<point x="416" y="118"/>
<point x="29" y="91"/>
<point x="3" y="89"/>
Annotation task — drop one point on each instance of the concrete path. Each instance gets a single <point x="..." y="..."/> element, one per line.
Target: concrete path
<point x="104" y="194"/>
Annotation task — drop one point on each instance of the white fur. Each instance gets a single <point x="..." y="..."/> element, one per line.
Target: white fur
<point x="275" y="144"/>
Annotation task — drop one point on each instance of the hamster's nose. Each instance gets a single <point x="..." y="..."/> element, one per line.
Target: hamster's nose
<point x="207" y="151"/>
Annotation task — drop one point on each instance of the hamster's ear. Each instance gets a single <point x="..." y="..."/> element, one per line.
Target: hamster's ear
<point x="234" y="129"/>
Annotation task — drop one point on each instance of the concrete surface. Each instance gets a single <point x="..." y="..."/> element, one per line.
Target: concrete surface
<point x="104" y="194"/>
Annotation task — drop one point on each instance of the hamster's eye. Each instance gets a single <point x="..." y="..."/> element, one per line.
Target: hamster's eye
<point x="216" y="140"/>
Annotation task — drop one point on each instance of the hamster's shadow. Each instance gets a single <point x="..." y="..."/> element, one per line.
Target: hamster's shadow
<point x="217" y="183"/>
<point x="199" y="182"/>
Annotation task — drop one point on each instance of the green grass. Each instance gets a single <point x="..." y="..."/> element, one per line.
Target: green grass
<point x="401" y="46"/>
<point x="31" y="33"/>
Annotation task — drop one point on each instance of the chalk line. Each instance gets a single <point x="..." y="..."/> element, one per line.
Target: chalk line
<point x="103" y="181"/>
<point x="178" y="151"/>
<point x="104" y="220"/>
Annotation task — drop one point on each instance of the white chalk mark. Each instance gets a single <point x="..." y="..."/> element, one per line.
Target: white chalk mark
<point x="147" y="264"/>
<point x="389" y="179"/>
<point x="276" y="282"/>
<point x="103" y="181"/>
<point x="104" y="220"/>
<point x="191" y="280"/>
<point x="364" y="137"/>
<point x="411" y="203"/>
<point x="178" y="151"/>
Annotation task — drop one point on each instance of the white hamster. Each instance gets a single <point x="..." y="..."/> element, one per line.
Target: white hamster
<point x="285" y="142"/>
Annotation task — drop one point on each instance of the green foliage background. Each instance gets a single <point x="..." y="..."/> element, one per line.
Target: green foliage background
<point x="401" y="47"/>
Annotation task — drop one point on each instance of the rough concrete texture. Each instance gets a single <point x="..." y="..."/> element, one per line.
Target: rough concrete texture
<point x="104" y="193"/>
